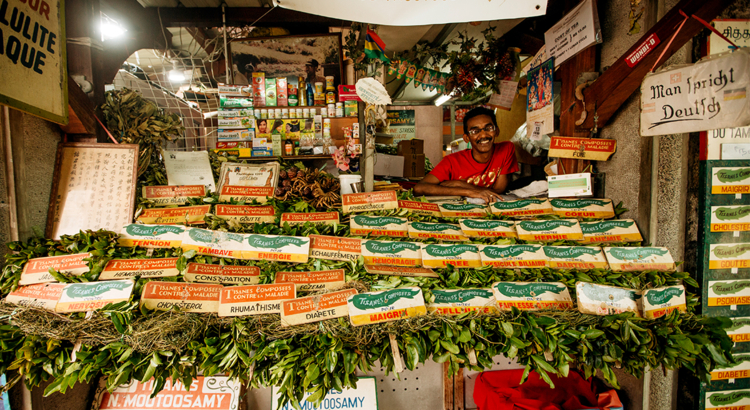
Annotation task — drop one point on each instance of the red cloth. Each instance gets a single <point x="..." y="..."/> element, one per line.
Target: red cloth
<point x="499" y="390"/>
<point x="462" y="166"/>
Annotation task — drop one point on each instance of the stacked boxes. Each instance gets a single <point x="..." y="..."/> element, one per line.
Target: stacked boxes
<point x="414" y="160"/>
<point x="236" y="120"/>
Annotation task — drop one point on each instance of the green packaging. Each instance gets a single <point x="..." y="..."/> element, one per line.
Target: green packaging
<point x="270" y="92"/>
<point x="292" y="85"/>
<point x="350" y="108"/>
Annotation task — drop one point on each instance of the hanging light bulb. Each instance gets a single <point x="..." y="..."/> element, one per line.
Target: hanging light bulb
<point x="175" y="75"/>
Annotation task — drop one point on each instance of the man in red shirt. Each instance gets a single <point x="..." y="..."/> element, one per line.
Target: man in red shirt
<point x="481" y="172"/>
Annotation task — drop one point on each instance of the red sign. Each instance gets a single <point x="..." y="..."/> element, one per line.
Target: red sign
<point x="641" y="52"/>
<point x="596" y="149"/>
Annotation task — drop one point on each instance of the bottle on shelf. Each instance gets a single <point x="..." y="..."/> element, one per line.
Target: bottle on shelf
<point x="288" y="147"/>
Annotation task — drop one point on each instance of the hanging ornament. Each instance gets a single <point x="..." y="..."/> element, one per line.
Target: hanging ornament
<point x="393" y="68"/>
<point x="419" y="77"/>
<point x="410" y="73"/>
<point x="402" y="68"/>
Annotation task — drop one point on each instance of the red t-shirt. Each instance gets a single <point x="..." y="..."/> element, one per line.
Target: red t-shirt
<point x="462" y="166"/>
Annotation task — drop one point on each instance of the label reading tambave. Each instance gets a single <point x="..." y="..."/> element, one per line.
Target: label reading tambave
<point x="575" y="257"/>
<point x="363" y="225"/>
<point x="459" y="301"/>
<point x="460" y="256"/>
<point x="513" y="256"/>
<point x="151" y="236"/>
<point x="245" y="193"/>
<point x="420" y="208"/>
<point x="401" y="271"/>
<point x="729" y="255"/>
<point x="391" y="253"/>
<point x="463" y="210"/>
<point x="522" y="207"/>
<point x="214" y="243"/>
<point x="255" y="299"/>
<point x="478" y="228"/>
<point x="583" y="208"/>
<point x="531" y="295"/>
<point x="619" y="230"/>
<point x="739" y="332"/>
<point x="335" y="248"/>
<point x="222" y="274"/>
<point x="36" y="270"/>
<point x="728" y="292"/>
<point x="603" y="300"/>
<point x="734" y="180"/>
<point x="730" y="218"/>
<point x="145" y="268"/>
<point x="369" y="201"/>
<point x="246" y="214"/>
<point x="189" y="297"/>
<point x="301" y="218"/>
<point x="164" y="195"/>
<point x="639" y="259"/>
<point x="741" y="370"/>
<point x="313" y="281"/>
<point x="85" y="297"/>
<point x="385" y="306"/>
<point x="728" y="400"/>
<point x="190" y="215"/>
<point x="40" y="295"/>
<point x="316" y="308"/>
<point x="660" y="301"/>
<point x="551" y="230"/>
<point x="440" y="231"/>
<point x="277" y="248"/>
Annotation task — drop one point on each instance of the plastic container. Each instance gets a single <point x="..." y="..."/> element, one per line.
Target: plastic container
<point x="346" y="180"/>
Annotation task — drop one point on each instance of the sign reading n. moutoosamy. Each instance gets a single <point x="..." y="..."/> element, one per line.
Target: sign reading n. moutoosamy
<point x="217" y="392"/>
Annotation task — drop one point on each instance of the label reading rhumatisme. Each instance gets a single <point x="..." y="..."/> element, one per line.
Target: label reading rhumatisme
<point x="222" y="274"/>
<point x="639" y="259"/>
<point x="301" y="218"/>
<point x="255" y="299"/>
<point x="391" y="253"/>
<point x="40" y="295"/>
<point x="335" y="248"/>
<point x="459" y="301"/>
<point x="145" y="268"/>
<point x="313" y="281"/>
<point x="164" y="195"/>
<point x="732" y="180"/>
<point x="401" y="271"/>
<point x="189" y="297"/>
<point x="604" y="300"/>
<point x="36" y="270"/>
<point x="385" y="306"/>
<point x="151" y="236"/>
<point x="660" y="301"/>
<point x="277" y="248"/>
<point x="728" y="400"/>
<point x="214" y="243"/>
<point x="246" y="214"/>
<point x="363" y="225"/>
<point x="729" y="256"/>
<point x="575" y="257"/>
<point x="245" y="193"/>
<point x="728" y="292"/>
<point x="513" y="256"/>
<point x="369" y="201"/>
<point x="420" y="208"/>
<point x="618" y="230"/>
<point x="739" y="332"/>
<point x="532" y="295"/>
<point x="730" y="218"/>
<point x="550" y="230"/>
<point x="741" y="370"/>
<point x="522" y="207"/>
<point x="440" y="231"/>
<point x="460" y="256"/>
<point x="583" y="208"/>
<point x="463" y="210"/>
<point x="478" y="228"/>
<point x="316" y="308"/>
<point x="190" y="215"/>
<point x="88" y="296"/>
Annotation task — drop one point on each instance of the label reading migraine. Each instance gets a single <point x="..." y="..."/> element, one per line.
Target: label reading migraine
<point x="40" y="295"/>
<point x="36" y="270"/>
<point x="459" y="256"/>
<point x="730" y="218"/>
<point x="214" y="243"/>
<point x="661" y="301"/>
<point x="391" y="253"/>
<point x="89" y="296"/>
<point x="245" y="193"/>
<point x="459" y="301"/>
<point x="728" y="400"/>
<point x="363" y="225"/>
<point x="741" y="370"/>
<point x="730" y="180"/>
<point x="440" y="231"/>
<point x="151" y="236"/>
<point x="583" y="208"/>
<point x="145" y="268"/>
<point x="739" y="332"/>
<point x="277" y="248"/>
<point x="164" y="195"/>
<point x="420" y="208"/>
<point x="246" y="214"/>
<point x="369" y="201"/>
<point x="729" y="255"/>
<point x="478" y="228"/>
<point x="222" y="274"/>
<point x="728" y="292"/>
<point x="463" y="210"/>
<point x="575" y="257"/>
<point x="335" y="248"/>
<point x="401" y="271"/>
<point x="513" y="256"/>
<point x="255" y="299"/>
<point x="301" y="218"/>
<point x="522" y="207"/>
<point x="313" y="281"/>
<point x="639" y="259"/>
<point x="619" y="230"/>
<point x="190" y="215"/>
<point x="316" y="308"/>
<point x="386" y="306"/>
<point x="531" y="295"/>
<point x="603" y="300"/>
<point x="551" y="230"/>
<point x="188" y="297"/>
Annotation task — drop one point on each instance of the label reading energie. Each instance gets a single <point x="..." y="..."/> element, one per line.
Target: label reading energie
<point x="440" y="231"/>
<point x="277" y="248"/>
<point x="531" y="295"/>
<point x="618" y="230"/>
<point x="604" y="300"/>
<point x="386" y="306"/>
<point x="549" y="230"/>
<point x="458" y="255"/>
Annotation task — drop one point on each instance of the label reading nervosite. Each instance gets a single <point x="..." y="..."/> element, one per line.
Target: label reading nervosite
<point x="401" y="271"/>
<point x="36" y="270"/>
<point x="550" y="230"/>
<point x="741" y="370"/>
<point x="245" y="193"/>
<point x="440" y="231"/>
<point x="522" y="207"/>
<point x="513" y="256"/>
<point x="478" y="228"/>
<point x="222" y="274"/>
<point x="619" y="230"/>
<point x="277" y="248"/>
<point x="313" y="281"/>
<point x="575" y="257"/>
<point x="459" y="301"/>
<point x="316" y="308"/>
<point x="335" y="248"/>
<point x="728" y="400"/>
<point x="246" y="214"/>
<point x="89" y="296"/>
<point x="660" y="301"/>
<point x="151" y="236"/>
<point x="255" y="299"/>
<point x="420" y="208"/>
<point x="164" y="195"/>
<point x="729" y="255"/>
<point x="301" y="218"/>
<point x="730" y="218"/>
<point x="369" y="201"/>
<point x="363" y="225"/>
<point x="145" y="268"/>
<point x="531" y="295"/>
<point x="460" y="256"/>
<point x="739" y="332"/>
<point x="639" y="259"/>
<point x="730" y="180"/>
<point x="728" y="292"/>
<point x="463" y="210"/>
<point x="391" y="253"/>
<point x="583" y="208"/>
<point x="603" y="300"/>
<point x="386" y="306"/>
<point x="189" y="297"/>
<point x="40" y="295"/>
<point x="214" y="243"/>
<point x="190" y="215"/>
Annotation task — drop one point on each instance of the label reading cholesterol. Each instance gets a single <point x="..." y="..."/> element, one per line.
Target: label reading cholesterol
<point x="246" y="214"/>
<point x="728" y="292"/>
<point x="575" y="257"/>
<point x="513" y="256"/>
<point x="730" y="218"/>
<point x="335" y="248"/>
<point x="277" y="248"/>
<point x="460" y="256"/>
<point x="245" y="193"/>
<point x="463" y="210"/>
<point x="620" y="230"/>
<point x="89" y="296"/>
<point x="660" y="301"/>
<point x="391" y="253"/>
<point x="189" y="297"/>
<point x="145" y="268"/>
<point x="583" y="208"/>
<point x="729" y="255"/>
<point x="151" y="236"/>
<point x="401" y="271"/>
<point x="164" y="195"/>
<point x="362" y="225"/>
<point x="478" y="228"/>
<point x="531" y="295"/>
<point x="214" y="243"/>
<point x="255" y="299"/>
<point x="36" y="270"/>
<point x="301" y="218"/>
<point x="40" y="295"/>
<point x="316" y="308"/>
<point x="730" y="180"/>
<point x="386" y="306"/>
<point x="522" y="207"/>
<point x="440" y="231"/>
<point x="603" y="300"/>
<point x="190" y="215"/>
<point x="229" y="274"/>
<point x="741" y="370"/>
<point x="728" y="400"/>
<point x="369" y="201"/>
<point x="550" y="230"/>
<point x="639" y="259"/>
<point x="460" y="301"/>
<point x="313" y="281"/>
<point x="420" y="208"/>
<point x="739" y="332"/>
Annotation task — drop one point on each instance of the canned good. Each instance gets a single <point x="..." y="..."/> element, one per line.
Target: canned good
<point x="305" y="113"/>
<point x="329" y="82"/>
<point x="318" y="87"/>
<point x="263" y="114"/>
<point x="284" y="113"/>
<point x="339" y="109"/>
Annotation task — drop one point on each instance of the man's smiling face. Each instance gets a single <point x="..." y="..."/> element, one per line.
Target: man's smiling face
<point x="482" y="141"/>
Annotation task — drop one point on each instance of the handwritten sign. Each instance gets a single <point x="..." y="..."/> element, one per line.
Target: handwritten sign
<point x="661" y="301"/>
<point x="313" y="281"/>
<point x="230" y="193"/>
<point x="460" y="256"/>
<point x="420" y="208"/>
<point x="246" y="214"/>
<point x="301" y="218"/>
<point x="478" y="228"/>
<point x="583" y="208"/>
<point x="440" y="231"/>
<point x="639" y="259"/>
<point x="513" y="256"/>
<point x="735" y="151"/>
<point x="89" y="296"/>
<point x="604" y="300"/>
<point x="222" y="274"/>
<point x="315" y="308"/>
<point x="372" y="92"/>
<point x="36" y="270"/>
<point x="460" y="301"/>
<point x="363" y="225"/>
<point x="255" y="299"/>
<point x="189" y="297"/>
<point x="145" y="268"/>
<point x="575" y="257"/>
<point x="400" y="271"/>
<point x="730" y="218"/>
<point x="369" y="201"/>
<point x="620" y="230"/>
<point x="277" y="248"/>
<point x="391" y="253"/>
<point x="335" y="248"/>
<point x="463" y="210"/>
<point x="214" y="243"/>
<point x="151" y="236"/>
<point x="593" y="149"/>
<point x="40" y="295"/>
<point x="578" y="30"/>
<point x="386" y="306"/>
<point x="189" y="215"/>
<point x="531" y="295"/>
<point x="164" y="195"/>
<point x="549" y="231"/>
<point x="522" y="207"/>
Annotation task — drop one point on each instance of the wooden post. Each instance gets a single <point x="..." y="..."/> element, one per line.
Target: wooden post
<point x="448" y="392"/>
<point x="458" y="390"/>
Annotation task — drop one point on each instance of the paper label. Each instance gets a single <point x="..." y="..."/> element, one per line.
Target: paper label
<point x="420" y="208"/>
<point x="733" y="180"/>
<point x="89" y="296"/>
<point x="603" y="300"/>
<point x="313" y="281"/>
<point x="235" y="90"/>
<point x="369" y="201"/>
<point x="549" y="231"/>
<point x="531" y="295"/>
<point x="741" y="370"/>
<point x="189" y="297"/>
<point x="277" y="248"/>
<point x="513" y="256"/>
<point x="255" y="299"/>
<point x="739" y="332"/>
<point x="362" y="225"/>
<point x="728" y="292"/>
<point x="391" y="253"/>
<point x="566" y="185"/>
<point x="36" y="270"/>
<point x="316" y="308"/>
<point x="583" y="208"/>
<point x="620" y="230"/>
<point x="728" y="399"/>
<point x="460" y="256"/>
<point x="245" y="193"/>
<point x="386" y="306"/>
<point x="522" y="207"/>
<point x="639" y="259"/>
<point x="246" y="214"/>
<point x="463" y="210"/>
<point x="642" y="51"/>
<point x="660" y="301"/>
<point x="40" y="295"/>
<point x="151" y="236"/>
<point x="300" y="218"/>
<point x="440" y="231"/>
<point x="248" y="112"/>
<point x="459" y="301"/>
<point x="163" y="195"/>
<point x="242" y="122"/>
<point x="400" y="271"/>
<point x="222" y="274"/>
<point x="729" y="255"/>
<point x="730" y="218"/>
<point x="335" y="248"/>
<point x="190" y="215"/>
<point x="477" y="228"/>
<point x="214" y="243"/>
<point x="575" y="257"/>
<point x="145" y="268"/>
<point x="593" y="149"/>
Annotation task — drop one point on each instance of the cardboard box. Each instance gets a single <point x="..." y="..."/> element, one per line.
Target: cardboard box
<point x="281" y="91"/>
<point x="348" y="93"/>
<point x="259" y="89"/>
<point x="411" y="147"/>
<point x="389" y="165"/>
<point x="270" y="92"/>
<point x="413" y="165"/>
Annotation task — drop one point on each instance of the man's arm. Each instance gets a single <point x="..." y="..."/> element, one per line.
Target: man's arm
<point x="431" y="186"/>
<point x="501" y="183"/>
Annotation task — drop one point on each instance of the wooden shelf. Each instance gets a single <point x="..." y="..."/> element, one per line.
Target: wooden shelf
<point x="288" y="157"/>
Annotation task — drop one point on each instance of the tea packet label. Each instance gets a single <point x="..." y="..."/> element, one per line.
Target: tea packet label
<point x="478" y="228"/>
<point x="316" y="308"/>
<point x="739" y="332"/>
<point x="386" y="306"/>
<point x="460" y="256"/>
<point x="575" y="257"/>
<point x="463" y="210"/>
<point x="277" y="248"/>
<point x="532" y="295"/>
<point x="246" y="214"/>
<point x="420" y="208"/>
<point x="189" y="215"/>
<point x="619" y="230"/>
<point x="729" y="256"/>
<point x="728" y="400"/>
<point x="145" y="268"/>
<point x="728" y="292"/>
<point x="89" y="296"/>
<point x="369" y="201"/>
<point x="459" y="301"/>
<point x="255" y="299"/>
<point x="214" y="243"/>
<point x="401" y="271"/>
<point x="741" y="370"/>
<point x="639" y="259"/>
<point x="40" y="295"/>
<point x="301" y="218"/>
<point x="730" y="218"/>
<point x="730" y="180"/>
<point x="189" y="297"/>
<point x="549" y="230"/>
<point x="604" y="300"/>
<point x="661" y="301"/>
<point x="245" y="193"/>
<point x="440" y="231"/>
<point x="222" y="274"/>
<point x="36" y="270"/>
<point x="513" y="256"/>
<point x="164" y="195"/>
<point x="583" y="208"/>
<point x="391" y="253"/>
<point x="151" y="236"/>
<point x="363" y="225"/>
<point x="335" y="248"/>
<point x="522" y="207"/>
<point x="313" y="281"/>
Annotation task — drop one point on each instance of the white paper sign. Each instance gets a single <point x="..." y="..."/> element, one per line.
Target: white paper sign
<point x="738" y="31"/>
<point x="189" y="168"/>
<point x="372" y="91"/>
<point x="735" y="151"/>
<point x="363" y="397"/>
<point x="578" y="30"/>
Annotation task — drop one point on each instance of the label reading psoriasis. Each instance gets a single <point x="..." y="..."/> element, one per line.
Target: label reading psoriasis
<point x="603" y="300"/>
<point x="214" y="243"/>
<point x="151" y="236"/>
<point x="478" y="228"/>
<point x="730" y="180"/>
<point x="222" y="274"/>
<point x="36" y="270"/>
<point x="575" y="257"/>
<point x="145" y="268"/>
<point x="246" y="214"/>
<point x="459" y="255"/>
<point x="316" y="308"/>
<point x="391" y="253"/>
<point x="313" y="281"/>
<point x="363" y="225"/>
<point x="164" y="195"/>
<point x="369" y="201"/>
<point x="513" y="256"/>
<point x="255" y="299"/>
<point x="39" y="296"/>
<point x="189" y="215"/>
<point x="661" y="301"/>
<point x="730" y="218"/>
<point x="386" y="306"/>
<point x="335" y="248"/>
<point x="549" y="230"/>
<point x="440" y="231"/>
<point x="90" y="296"/>
<point x="728" y="292"/>
<point x="618" y="230"/>
<point x="188" y="297"/>
<point x="460" y="301"/>
<point x="639" y="259"/>
<point x="301" y="218"/>
<point x="532" y="295"/>
<point x="583" y="208"/>
<point x="245" y="193"/>
<point x="420" y="208"/>
<point x="522" y="207"/>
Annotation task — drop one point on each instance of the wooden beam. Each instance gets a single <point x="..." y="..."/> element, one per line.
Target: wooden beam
<point x="447" y="387"/>
<point x="80" y="110"/>
<point x="243" y="16"/>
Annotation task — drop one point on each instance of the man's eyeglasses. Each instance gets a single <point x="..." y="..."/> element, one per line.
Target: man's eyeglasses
<point x="488" y="128"/>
